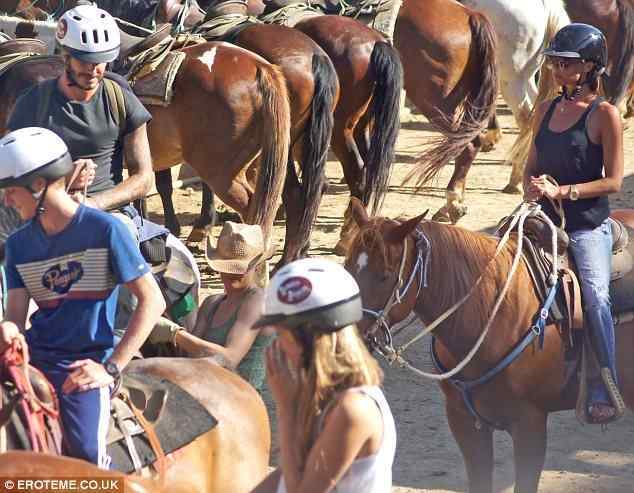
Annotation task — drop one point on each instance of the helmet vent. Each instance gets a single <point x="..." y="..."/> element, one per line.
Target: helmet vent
<point x="77" y="18"/>
<point x="95" y="36"/>
<point x="105" y="34"/>
<point x="84" y="38"/>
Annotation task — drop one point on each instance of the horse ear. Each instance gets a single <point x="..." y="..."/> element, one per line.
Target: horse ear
<point x="402" y="230"/>
<point x="359" y="214"/>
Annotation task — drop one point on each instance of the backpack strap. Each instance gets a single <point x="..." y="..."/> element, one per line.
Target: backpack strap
<point x="45" y="98"/>
<point x="114" y="93"/>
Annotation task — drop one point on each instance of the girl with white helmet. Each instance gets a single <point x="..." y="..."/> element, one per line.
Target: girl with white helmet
<point x="336" y="429"/>
<point x="74" y="261"/>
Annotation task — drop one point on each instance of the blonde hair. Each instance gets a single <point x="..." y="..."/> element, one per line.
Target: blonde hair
<point x="334" y="362"/>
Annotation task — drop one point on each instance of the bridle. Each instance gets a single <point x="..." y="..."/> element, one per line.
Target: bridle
<point x="379" y="335"/>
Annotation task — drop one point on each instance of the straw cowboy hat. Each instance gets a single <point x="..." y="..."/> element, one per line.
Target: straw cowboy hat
<point x="240" y="247"/>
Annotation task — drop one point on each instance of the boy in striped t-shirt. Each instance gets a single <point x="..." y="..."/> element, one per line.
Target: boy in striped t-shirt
<point x="70" y="259"/>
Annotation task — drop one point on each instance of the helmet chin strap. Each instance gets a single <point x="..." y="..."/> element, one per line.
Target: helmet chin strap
<point x="39" y="196"/>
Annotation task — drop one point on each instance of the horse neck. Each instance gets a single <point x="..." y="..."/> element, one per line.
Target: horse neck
<point x="457" y="260"/>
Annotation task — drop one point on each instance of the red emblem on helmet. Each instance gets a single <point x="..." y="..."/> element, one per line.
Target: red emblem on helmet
<point x="62" y="29"/>
<point x="294" y="290"/>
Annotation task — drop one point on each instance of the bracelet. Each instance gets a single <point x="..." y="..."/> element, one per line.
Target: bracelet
<point x="173" y="340"/>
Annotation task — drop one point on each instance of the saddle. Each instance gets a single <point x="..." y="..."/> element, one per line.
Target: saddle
<point x="132" y="46"/>
<point x="190" y="12"/>
<point x="22" y="45"/>
<point x="151" y="417"/>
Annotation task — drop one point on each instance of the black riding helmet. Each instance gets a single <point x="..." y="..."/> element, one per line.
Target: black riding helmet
<point x="584" y="42"/>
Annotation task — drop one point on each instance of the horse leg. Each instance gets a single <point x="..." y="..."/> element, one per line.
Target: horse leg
<point x="347" y="150"/>
<point x="163" y="180"/>
<point x="493" y="134"/>
<point x="454" y="209"/>
<point x="475" y="445"/>
<point x="529" y="450"/>
<point x="207" y="218"/>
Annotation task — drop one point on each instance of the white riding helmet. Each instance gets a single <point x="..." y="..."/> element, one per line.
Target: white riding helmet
<point x="32" y="152"/>
<point x="89" y="34"/>
<point x="313" y="293"/>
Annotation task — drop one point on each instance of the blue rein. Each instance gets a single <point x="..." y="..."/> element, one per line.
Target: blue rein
<point x="466" y="386"/>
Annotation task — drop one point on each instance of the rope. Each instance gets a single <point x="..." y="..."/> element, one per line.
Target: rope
<point x="519" y="215"/>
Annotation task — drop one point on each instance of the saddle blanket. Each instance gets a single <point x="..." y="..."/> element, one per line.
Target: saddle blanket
<point x="177" y="419"/>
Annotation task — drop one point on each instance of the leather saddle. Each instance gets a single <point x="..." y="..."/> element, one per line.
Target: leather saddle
<point x="169" y="10"/>
<point x="537" y="250"/>
<point x="151" y="417"/>
<point x="22" y="45"/>
<point x="134" y="45"/>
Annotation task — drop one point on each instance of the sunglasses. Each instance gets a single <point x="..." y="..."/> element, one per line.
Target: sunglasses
<point x="564" y="63"/>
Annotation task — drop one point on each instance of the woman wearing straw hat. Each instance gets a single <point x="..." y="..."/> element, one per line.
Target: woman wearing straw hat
<point x="224" y="323"/>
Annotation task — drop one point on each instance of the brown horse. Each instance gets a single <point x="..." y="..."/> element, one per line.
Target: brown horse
<point x="367" y="117"/>
<point x="230" y="108"/>
<point x="448" y="54"/>
<point x="313" y="92"/>
<point x="615" y="18"/>
<point x="233" y="456"/>
<point x="22" y="464"/>
<point x="518" y="399"/>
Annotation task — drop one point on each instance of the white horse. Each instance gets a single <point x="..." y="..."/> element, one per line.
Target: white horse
<point x="524" y="28"/>
<point x="16" y="27"/>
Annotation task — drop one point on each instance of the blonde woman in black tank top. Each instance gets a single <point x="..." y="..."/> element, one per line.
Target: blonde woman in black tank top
<point x="579" y="142"/>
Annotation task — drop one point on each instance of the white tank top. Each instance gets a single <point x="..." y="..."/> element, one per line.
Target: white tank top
<point x="373" y="473"/>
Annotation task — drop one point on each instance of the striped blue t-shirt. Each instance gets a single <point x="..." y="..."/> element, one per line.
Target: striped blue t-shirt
<point x="73" y="276"/>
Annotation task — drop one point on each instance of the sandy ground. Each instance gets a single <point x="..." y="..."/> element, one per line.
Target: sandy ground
<point x="580" y="459"/>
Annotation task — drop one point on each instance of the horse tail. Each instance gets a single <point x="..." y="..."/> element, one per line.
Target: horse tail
<point x="623" y="65"/>
<point x="276" y="123"/>
<point x="317" y="135"/>
<point x="385" y="121"/>
<point x="477" y="107"/>
<point x="547" y="89"/>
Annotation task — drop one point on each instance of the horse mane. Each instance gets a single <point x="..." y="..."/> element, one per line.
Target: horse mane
<point x="458" y="258"/>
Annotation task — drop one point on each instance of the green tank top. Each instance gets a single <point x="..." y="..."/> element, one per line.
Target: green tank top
<point x="251" y="368"/>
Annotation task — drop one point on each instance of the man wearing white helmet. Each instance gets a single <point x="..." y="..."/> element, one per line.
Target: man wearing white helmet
<point x="336" y="429"/>
<point x="77" y="257"/>
<point x="78" y="108"/>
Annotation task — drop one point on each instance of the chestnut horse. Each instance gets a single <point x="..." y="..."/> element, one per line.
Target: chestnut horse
<point x="313" y="92"/>
<point x="435" y="266"/>
<point x="367" y="117"/>
<point x="233" y="456"/>
<point x="615" y="18"/>
<point x="230" y="108"/>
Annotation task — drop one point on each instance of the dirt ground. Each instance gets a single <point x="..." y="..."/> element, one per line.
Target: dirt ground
<point x="580" y="459"/>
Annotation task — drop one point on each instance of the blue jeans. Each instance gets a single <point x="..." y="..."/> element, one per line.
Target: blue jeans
<point x="592" y="251"/>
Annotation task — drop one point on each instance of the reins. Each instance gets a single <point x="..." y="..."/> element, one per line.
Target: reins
<point x="396" y="355"/>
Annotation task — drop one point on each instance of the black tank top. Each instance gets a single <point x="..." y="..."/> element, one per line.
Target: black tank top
<point x="571" y="157"/>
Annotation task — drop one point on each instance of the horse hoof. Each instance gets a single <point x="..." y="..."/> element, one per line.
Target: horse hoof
<point x="196" y="236"/>
<point x="512" y="189"/>
<point x="449" y="215"/>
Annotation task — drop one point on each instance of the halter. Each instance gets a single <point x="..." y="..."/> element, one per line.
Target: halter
<point x="423" y="251"/>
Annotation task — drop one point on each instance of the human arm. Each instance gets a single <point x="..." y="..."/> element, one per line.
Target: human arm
<point x="239" y="340"/>
<point x="531" y="193"/>
<point x="137" y="185"/>
<point x="89" y="374"/>
<point x="352" y="423"/>
<point x="14" y="322"/>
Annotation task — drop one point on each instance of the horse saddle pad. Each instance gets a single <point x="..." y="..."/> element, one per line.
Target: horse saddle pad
<point x="156" y="87"/>
<point x="22" y="45"/>
<point x="538" y="259"/>
<point x="177" y="419"/>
